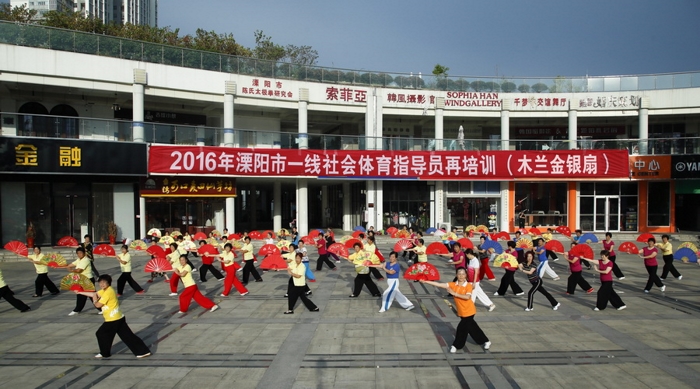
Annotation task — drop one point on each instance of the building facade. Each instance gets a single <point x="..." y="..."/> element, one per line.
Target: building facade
<point x="242" y="144"/>
<point x="139" y="12"/>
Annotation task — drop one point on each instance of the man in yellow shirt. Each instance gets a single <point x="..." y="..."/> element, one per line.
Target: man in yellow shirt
<point x="42" y="274"/>
<point x="115" y="322"/>
<point x="9" y="296"/>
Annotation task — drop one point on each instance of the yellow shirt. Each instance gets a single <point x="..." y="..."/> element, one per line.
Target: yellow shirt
<point x="666" y="248"/>
<point x="126" y="258"/>
<point x="299" y="269"/>
<point x="358" y="260"/>
<point x="85" y="265"/>
<point x="187" y="279"/>
<point x="110" y="310"/>
<point x="420" y="251"/>
<point x="2" y="280"/>
<point x="227" y="258"/>
<point x="174" y="258"/>
<point x="369" y="248"/>
<point x="289" y="257"/>
<point x="249" y="251"/>
<point x="40" y="269"/>
<point x="181" y="249"/>
<point x="547" y="237"/>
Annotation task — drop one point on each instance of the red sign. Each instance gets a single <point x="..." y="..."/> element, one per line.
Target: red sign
<point x="380" y="164"/>
<point x="267" y="88"/>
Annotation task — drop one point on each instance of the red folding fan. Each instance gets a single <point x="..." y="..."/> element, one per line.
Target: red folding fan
<point x="554" y="245"/>
<point x="564" y="230"/>
<point x="339" y="249"/>
<point x="436" y="248"/>
<point x="268" y="249"/>
<point x="273" y="262"/>
<point x="67" y="241"/>
<point x="644" y="237"/>
<point x="350" y="243"/>
<point x="402" y="245"/>
<point x="17" y="247"/>
<point x="465" y="243"/>
<point x="422" y="271"/>
<point x="158" y="265"/>
<point x="582" y="250"/>
<point x="104" y="249"/>
<point x="208" y="249"/>
<point x="157" y="251"/>
<point x="629" y="248"/>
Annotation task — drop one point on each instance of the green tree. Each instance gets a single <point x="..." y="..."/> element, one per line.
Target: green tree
<point x="20" y="14"/>
<point x="266" y="49"/>
<point x="508" y="86"/>
<point x="301" y="55"/>
<point x="440" y="71"/>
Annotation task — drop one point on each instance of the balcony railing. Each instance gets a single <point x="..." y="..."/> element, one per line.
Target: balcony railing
<point x="32" y="35"/>
<point x="47" y="126"/>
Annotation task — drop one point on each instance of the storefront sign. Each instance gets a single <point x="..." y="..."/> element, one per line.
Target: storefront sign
<point x="267" y="88"/>
<point x="63" y="156"/>
<point x="348" y="95"/>
<point x="373" y="164"/>
<point x="650" y="167"/>
<point x="685" y="166"/>
<point x="182" y="186"/>
<point x="597" y="132"/>
<point x="601" y="102"/>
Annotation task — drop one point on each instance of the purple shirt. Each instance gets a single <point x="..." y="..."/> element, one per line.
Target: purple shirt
<point x="650" y="261"/>
<point x="602" y="266"/>
<point x="459" y="257"/>
<point x="576" y="266"/>
<point x="609" y="246"/>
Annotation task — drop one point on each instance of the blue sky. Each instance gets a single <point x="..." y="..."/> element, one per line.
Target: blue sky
<point x="473" y="38"/>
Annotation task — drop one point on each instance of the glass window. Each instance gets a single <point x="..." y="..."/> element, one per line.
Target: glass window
<point x="586" y="210"/>
<point x="543" y="203"/>
<point x="479" y="187"/>
<point x="628" y="208"/>
<point x="493" y="187"/>
<point x="628" y="189"/>
<point x="659" y="204"/>
<point x="587" y="188"/>
<point x="607" y="188"/>
<point x="39" y="211"/>
<point x="102" y="210"/>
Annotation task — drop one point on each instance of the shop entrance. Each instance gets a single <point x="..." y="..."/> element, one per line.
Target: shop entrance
<point x="607" y="213"/>
<point x="73" y="218"/>
<point x="466" y="211"/>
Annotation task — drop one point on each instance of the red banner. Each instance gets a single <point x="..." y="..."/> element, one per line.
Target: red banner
<point x="381" y="164"/>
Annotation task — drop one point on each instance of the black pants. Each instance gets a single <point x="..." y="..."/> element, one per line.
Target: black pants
<point x="95" y="273"/>
<point x="323" y="258"/>
<point x="411" y="255"/>
<point x="214" y="271"/>
<point x="653" y="278"/>
<point x="105" y="337"/>
<point x="552" y="254"/>
<point x="299" y="292"/>
<point x="668" y="267"/>
<point x="616" y="269"/>
<point x="376" y="273"/>
<point x="467" y="326"/>
<point x="43" y="280"/>
<point x="537" y="287"/>
<point x="605" y="294"/>
<point x="190" y="263"/>
<point x="507" y="280"/>
<point x="123" y="279"/>
<point x="364" y="279"/>
<point x="248" y="269"/>
<point x="9" y="296"/>
<point x="576" y="278"/>
<point x="290" y="286"/>
<point x="80" y="300"/>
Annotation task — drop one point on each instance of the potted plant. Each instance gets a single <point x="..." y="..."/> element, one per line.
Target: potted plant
<point x="112" y="232"/>
<point x="31" y="234"/>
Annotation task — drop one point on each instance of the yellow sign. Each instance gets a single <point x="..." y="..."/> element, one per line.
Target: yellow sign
<point x="69" y="156"/>
<point x="26" y="155"/>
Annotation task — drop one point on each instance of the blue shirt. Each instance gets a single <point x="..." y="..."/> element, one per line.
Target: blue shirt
<point x="395" y="267"/>
<point x="543" y="255"/>
<point x="575" y="238"/>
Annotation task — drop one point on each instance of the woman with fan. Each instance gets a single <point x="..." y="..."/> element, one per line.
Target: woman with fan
<point x="649" y="254"/>
<point x="228" y="261"/>
<point x="358" y="259"/>
<point x="191" y="292"/>
<point x="42" y="274"/>
<point x="609" y="245"/>
<point x="297" y="271"/>
<point x="328" y="236"/>
<point x="371" y="247"/>
<point x="125" y="264"/>
<point x="466" y="310"/>
<point x="321" y="245"/>
<point x="208" y="265"/>
<point x="83" y="266"/>
<point x="474" y="263"/>
<point x="606" y="292"/>
<point x="393" y="269"/>
<point x="419" y="250"/>
<point x="9" y="296"/>
<point x="508" y="278"/>
<point x="115" y="323"/>
<point x="413" y="237"/>
<point x="484" y="255"/>
<point x="576" y="277"/>
<point x="249" y="257"/>
<point x="667" y="255"/>
<point x="530" y="268"/>
<point x="87" y="246"/>
<point x="174" y="258"/>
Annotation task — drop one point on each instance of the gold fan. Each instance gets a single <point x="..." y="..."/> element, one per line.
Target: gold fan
<point x="53" y="260"/>
<point x="77" y="281"/>
<point x="217" y="234"/>
<point x="138" y="245"/>
<point x="175" y="234"/>
<point x="212" y="241"/>
<point x="470" y="228"/>
<point x="689" y="245"/>
<point x="166" y="240"/>
<point x="236" y="244"/>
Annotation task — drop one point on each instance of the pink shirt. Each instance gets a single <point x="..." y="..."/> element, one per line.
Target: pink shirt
<point x="650" y="261"/>
<point x="609" y="246"/>
<point x="459" y="257"/>
<point x="576" y="266"/>
<point x="602" y="266"/>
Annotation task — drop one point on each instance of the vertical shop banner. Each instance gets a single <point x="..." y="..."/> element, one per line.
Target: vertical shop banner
<point x="71" y="156"/>
<point x="378" y="164"/>
<point x="685" y="166"/>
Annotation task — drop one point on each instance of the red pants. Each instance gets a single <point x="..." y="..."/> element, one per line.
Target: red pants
<point x="192" y="292"/>
<point x="173" y="283"/>
<point x="486" y="270"/>
<point x="232" y="280"/>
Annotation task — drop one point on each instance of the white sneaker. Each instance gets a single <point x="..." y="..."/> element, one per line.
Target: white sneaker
<point x="520" y="294"/>
<point x="172" y="294"/>
<point x="554" y="308"/>
<point x="412" y="307"/>
<point x="181" y="312"/>
<point x="492" y="307"/>
<point x="99" y="312"/>
<point x="239" y="270"/>
<point x="73" y="313"/>
<point x="144" y="355"/>
<point x="244" y="293"/>
<point x="596" y="309"/>
<point x="221" y="279"/>
<point x="382" y="310"/>
<point x="194" y="270"/>
<point x="680" y="278"/>
<point x="556" y="278"/>
<point x="496" y="294"/>
<point x="529" y="309"/>
<point x="453" y="350"/>
<point x="622" y="307"/>
<point x="487" y="345"/>
<point x="646" y="291"/>
<point x="98" y="356"/>
<point x="663" y="288"/>
<point x="223" y="295"/>
<point x="621" y="278"/>
<point x="214" y="308"/>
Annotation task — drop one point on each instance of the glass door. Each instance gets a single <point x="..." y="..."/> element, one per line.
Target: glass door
<point x="607" y="213"/>
<point x="73" y="217"/>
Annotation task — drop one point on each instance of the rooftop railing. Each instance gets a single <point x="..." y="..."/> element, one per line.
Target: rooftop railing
<point x="32" y="35"/>
<point x="47" y="126"/>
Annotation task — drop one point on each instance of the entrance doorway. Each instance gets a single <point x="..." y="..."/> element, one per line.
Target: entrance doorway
<point x="607" y="213"/>
<point x="72" y="216"/>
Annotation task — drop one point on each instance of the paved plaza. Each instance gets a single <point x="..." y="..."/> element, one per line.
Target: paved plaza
<point x="250" y="343"/>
